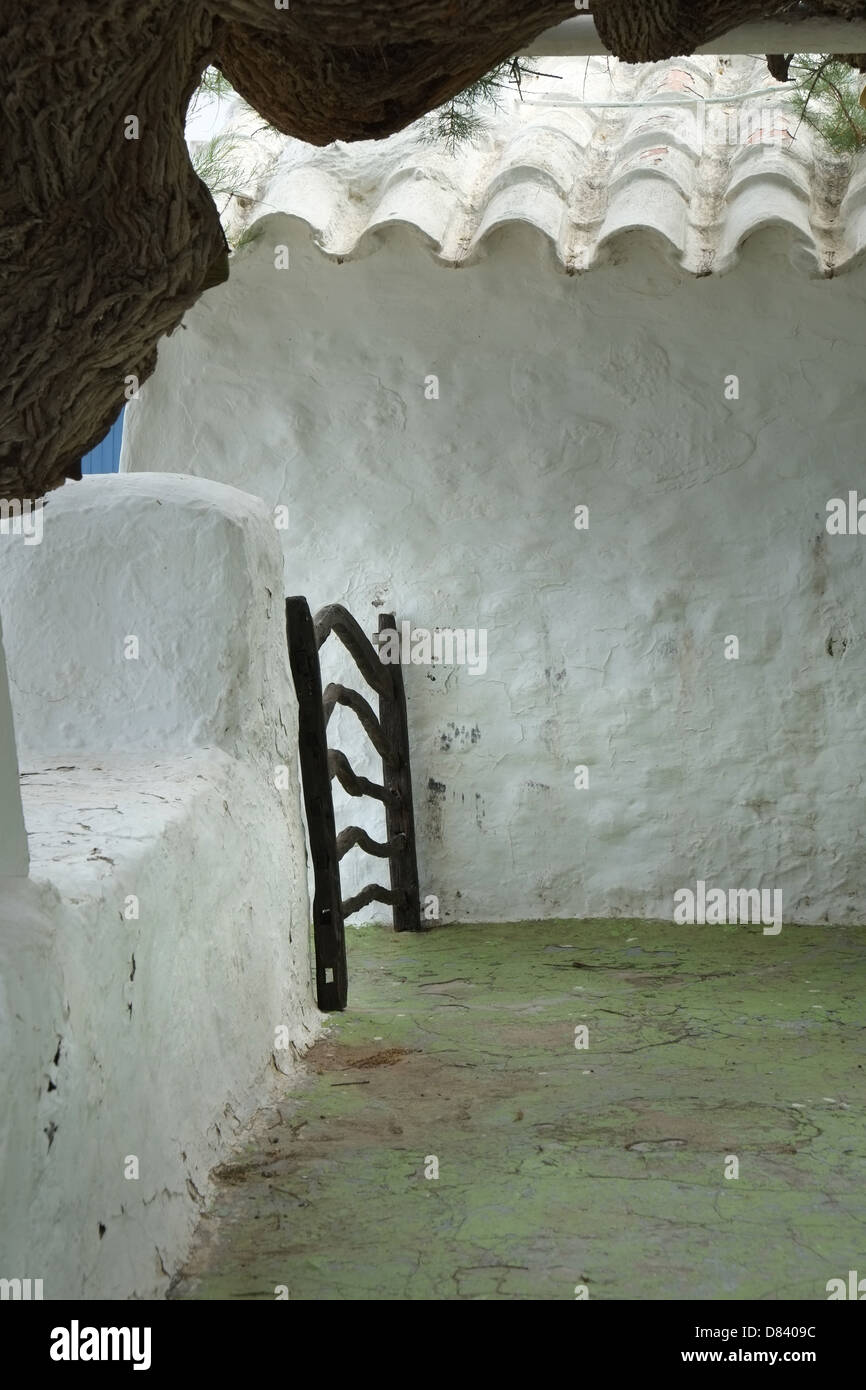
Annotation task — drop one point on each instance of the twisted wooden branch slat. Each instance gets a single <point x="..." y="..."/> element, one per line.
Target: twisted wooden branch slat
<point x="335" y="618"/>
<point x="373" y="893"/>
<point x="354" y="835"/>
<point x="340" y="767"/>
<point x="342" y="695"/>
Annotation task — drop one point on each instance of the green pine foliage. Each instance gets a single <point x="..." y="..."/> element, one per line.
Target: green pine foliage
<point x="218" y="164"/>
<point x="460" y="121"/>
<point x="826" y="98"/>
<point x="214" y="84"/>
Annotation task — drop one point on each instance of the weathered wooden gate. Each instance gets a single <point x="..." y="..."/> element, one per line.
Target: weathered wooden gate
<point x="389" y="735"/>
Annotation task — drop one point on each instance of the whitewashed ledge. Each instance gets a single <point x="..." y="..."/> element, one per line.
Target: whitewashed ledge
<point x="161" y="935"/>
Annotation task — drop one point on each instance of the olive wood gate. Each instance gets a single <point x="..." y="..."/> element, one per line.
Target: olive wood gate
<point x="388" y="732"/>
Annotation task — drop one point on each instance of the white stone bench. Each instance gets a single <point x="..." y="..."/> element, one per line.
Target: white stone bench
<point x="162" y="934"/>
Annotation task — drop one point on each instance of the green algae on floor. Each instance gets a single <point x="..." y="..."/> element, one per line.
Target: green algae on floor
<point x="564" y="1170"/>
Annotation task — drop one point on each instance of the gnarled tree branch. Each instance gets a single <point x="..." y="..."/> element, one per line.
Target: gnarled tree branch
<point x="107" y="236"/>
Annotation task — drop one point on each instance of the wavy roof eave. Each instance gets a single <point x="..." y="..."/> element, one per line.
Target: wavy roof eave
<point x="646" y="159"/>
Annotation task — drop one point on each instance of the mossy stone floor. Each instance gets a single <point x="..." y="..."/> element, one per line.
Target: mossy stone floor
<point x="561" y="1166"/>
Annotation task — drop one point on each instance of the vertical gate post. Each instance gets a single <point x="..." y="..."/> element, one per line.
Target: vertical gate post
<point x="397" y="776"/>
<point x="328" y="932"/>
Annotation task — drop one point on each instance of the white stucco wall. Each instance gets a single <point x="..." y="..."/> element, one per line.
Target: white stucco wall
<point x="13" y="838"/>
<point x="606" y="646"/>
<point x="162" y="935"/>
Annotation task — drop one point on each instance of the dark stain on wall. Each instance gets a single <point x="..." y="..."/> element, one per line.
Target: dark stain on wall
<point x="455" y="736"/>
<point x="434" y="805"/>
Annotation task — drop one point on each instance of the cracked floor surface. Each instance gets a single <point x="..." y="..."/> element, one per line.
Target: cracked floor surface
<point x="559" y="1166"/>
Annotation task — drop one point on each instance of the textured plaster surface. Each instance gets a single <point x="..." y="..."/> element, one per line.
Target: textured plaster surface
<point x="606" y="646"/>
<point x="13" y="837"/>
<point x="162" y="936"/>
<point x="602" y="1166"/>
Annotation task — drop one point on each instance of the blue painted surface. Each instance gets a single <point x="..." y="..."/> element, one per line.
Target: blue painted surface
<point x="106" y="456"/>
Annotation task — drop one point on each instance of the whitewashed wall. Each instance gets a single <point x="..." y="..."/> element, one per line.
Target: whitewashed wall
<point x="162" y="936"/>
<point x="306" y="386"/>
<point x="14" y="858"/>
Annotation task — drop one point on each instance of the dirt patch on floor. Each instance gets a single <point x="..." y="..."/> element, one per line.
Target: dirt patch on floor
<point x="381" y="1059"/>
<point x="330" y="1056"/>
<point x="697" y="1125"/>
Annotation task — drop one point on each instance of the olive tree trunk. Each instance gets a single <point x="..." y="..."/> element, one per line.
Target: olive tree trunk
<point x="107" y="236"/>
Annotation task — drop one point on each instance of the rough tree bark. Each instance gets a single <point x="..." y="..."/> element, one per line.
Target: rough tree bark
<point x="648" y="33"/>
<point x="107" y="236"/>
<point x="105" y="241"/>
